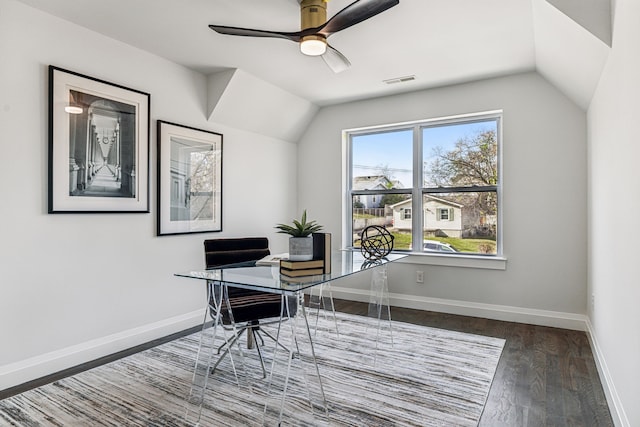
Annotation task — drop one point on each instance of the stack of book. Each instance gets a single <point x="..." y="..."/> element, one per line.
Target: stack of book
<point x="301" y="268"/>
<point x="320" y="264"/>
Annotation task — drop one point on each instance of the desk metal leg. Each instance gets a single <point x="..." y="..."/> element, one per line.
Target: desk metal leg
<point x="324" y="301"/>
<point x="301" y="348"/>
<point x="195" y="400"/>
<point x="283" y="313"/>
<point x="204" y="357"/>
<point x="379" y="303"/>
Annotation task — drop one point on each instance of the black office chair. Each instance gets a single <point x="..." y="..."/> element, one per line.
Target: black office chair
<point x="249" y="308"/>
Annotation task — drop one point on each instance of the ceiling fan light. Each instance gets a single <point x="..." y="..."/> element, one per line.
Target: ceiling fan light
<point x="313" y="45"/>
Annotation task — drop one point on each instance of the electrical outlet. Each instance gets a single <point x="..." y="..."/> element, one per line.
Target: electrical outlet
<point x="419" y="277"/>
<point x="593" y="300"/>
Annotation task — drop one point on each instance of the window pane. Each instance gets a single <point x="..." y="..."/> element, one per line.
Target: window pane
<point x="462" y="222"/>
<point x="382" y="160"/>
<point x="391" y="213"/>
<point x="461" y="154"/>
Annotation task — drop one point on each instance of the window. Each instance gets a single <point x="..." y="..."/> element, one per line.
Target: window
<point x="445" y="214"/>
<point x="435" y="181"/>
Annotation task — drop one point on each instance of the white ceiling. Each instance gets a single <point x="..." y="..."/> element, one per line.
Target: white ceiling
<point x="441" y="42"/>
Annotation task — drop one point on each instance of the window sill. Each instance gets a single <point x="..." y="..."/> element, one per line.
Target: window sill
<point x="465" y="261"/>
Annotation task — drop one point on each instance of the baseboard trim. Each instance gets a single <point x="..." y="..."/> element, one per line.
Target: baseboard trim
<point x="554" y="319"/>
<point x="42" y="366"/>
<point x="618" y="414"/>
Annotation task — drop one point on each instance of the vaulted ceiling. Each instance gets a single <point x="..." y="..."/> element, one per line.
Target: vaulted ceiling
<point x="439" y="42"/>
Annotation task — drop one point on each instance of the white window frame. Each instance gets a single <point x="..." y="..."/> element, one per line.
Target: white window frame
<point x="497" y="261"/>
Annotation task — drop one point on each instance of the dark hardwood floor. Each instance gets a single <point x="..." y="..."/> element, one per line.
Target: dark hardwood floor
<point x="545" y="377"/>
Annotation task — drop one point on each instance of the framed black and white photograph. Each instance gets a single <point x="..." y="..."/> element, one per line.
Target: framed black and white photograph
<point x="98" y="145"/>
<point x="189" y="179"/>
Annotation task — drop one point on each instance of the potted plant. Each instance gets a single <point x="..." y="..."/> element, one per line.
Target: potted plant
<point x="301" y="241"/>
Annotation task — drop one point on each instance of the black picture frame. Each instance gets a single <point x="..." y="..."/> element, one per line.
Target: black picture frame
<point x="98" y="145"/>
<point x="189" y="179"/>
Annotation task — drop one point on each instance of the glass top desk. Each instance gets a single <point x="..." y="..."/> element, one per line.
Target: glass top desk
<point x="268" y="278"/>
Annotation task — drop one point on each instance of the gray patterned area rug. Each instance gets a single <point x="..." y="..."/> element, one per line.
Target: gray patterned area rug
<point x="418" y="376"/>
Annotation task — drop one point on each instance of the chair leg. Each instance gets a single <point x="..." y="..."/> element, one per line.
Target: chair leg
<point x="226" y="350"/>
<point x="256" y="335"/>
<point x="231" y="341"/>
<point x="254" y="332"/>
<point x="262" y="331"/>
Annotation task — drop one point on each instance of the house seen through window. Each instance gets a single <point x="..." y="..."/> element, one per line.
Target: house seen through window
<point x="434" y="182"/>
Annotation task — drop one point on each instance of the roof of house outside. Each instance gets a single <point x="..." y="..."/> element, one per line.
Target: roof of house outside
<point x="437" y="199"/>
<point x="374" y="182"/>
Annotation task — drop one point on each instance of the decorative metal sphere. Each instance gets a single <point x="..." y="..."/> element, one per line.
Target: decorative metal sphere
<point x="376" y="242"/>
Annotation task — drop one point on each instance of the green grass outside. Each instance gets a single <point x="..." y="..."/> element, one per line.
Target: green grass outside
<point x="403" y="241"/>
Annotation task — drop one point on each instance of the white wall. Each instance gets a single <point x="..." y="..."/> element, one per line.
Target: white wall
<point x="544" y="198"/>
<point x="74" y="287"/>
<point x="614" y="153"/>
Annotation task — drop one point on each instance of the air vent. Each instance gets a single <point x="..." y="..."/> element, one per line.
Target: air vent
<point x="399" y="80"/>
<point x="313" y="9"/>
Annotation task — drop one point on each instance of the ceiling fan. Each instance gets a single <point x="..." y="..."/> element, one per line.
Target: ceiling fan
<point x="315" y="29"/>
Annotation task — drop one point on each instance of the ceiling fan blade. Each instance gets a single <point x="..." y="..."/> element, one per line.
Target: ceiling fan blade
<point x="235" y="31"/>
<point x="335" y="60"/>
<point x="355" y="13"/>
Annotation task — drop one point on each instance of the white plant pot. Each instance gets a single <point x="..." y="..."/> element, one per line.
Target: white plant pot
<point x="301" y="248"/>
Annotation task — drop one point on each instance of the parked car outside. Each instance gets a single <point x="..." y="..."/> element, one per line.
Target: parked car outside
<point x="435" y="246"/>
